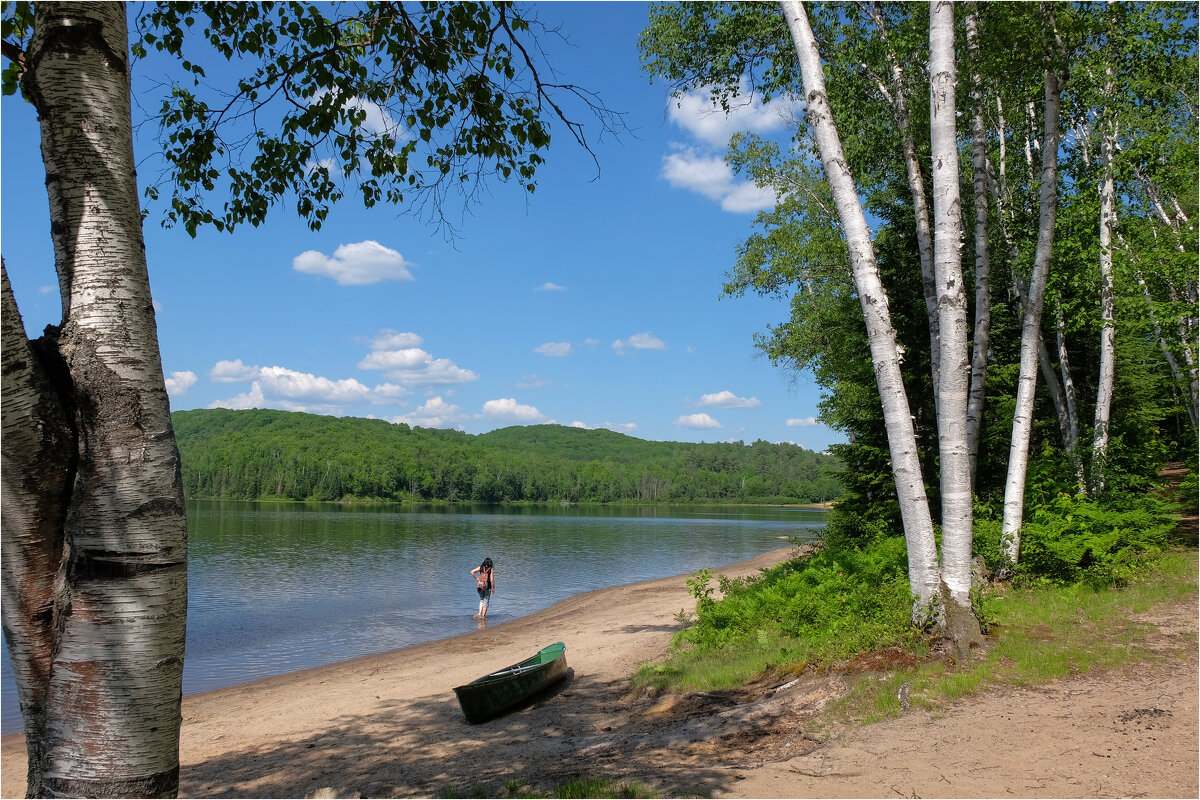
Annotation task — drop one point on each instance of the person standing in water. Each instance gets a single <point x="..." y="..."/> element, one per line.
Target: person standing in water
<point x="485" y="584"/>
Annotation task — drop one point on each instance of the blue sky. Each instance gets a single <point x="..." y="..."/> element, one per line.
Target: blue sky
<point x="594" y="302"/>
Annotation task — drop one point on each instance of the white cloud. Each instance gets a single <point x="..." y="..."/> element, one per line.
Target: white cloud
<point x="508" y="408"/>
<point x="436" y="413"/>
<point x="591" y="342"/>
<point x="551" y="287"/>
<point x="706" y="175"/>
<point x="705" y="171"/>
<point x="232" y="372"/>
<point x="180" y="382"/>
<point x="556" y="349"/>
<point x="377" y="120"/>
<point x="697" y="421"/>
<point x="618" y="427"/>
<point x="639" y="341"/>
<point x="694" y="111"/>
<point x="356" y="264"/>
<point x="728" y="399"/>
<point x="304" y="387"/>
<point x="405" y="363"/>
<point x="746" y="198"/>
<point x="388" y="339"/>
<point x="280" y="387"/>
<point x="330" y="165"/>
<point x="251" y="399"/>
<point x="803" y="422"/>
<point x="388" y="393"/>
<point x="711" y="176"/>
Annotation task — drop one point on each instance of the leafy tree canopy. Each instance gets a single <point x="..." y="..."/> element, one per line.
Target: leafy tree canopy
<point x="404" y="103"/>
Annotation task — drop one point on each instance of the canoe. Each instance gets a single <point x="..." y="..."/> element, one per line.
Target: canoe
<point x="484" y="698"/>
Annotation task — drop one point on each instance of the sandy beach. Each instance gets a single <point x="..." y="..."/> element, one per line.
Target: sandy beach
<point x="389" y="725"/>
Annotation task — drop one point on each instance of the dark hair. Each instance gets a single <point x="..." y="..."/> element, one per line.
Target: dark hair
<point x="487" y="564"/>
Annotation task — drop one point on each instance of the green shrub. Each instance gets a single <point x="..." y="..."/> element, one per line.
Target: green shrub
<point x="1075" y="540"/>
<point x="831" y="603"/>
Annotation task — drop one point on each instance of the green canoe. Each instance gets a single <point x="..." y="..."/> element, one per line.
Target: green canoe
<point x="484" y="698"/>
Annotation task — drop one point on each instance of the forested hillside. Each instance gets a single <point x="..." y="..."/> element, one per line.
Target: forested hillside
<point x="279" y="454"/>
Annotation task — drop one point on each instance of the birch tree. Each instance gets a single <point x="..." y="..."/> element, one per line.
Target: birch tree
<point x="1014" y="491"/>
<point x="954" y="332"/>
<point x="910" y="485"/>
<point x="95" y="582"/>
<point x="94" y="527"/>
<point x="983" y="259"/>
<point x="1108" y="138"/>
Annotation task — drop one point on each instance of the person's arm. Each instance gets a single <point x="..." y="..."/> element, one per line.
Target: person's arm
<point x="475" y="573"/>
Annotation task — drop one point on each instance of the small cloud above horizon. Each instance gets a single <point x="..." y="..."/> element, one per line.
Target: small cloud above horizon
<point x="697" y="421"/>
<point x="802" y="422"/>
<point x="402" y="360"/>
<point x="180" y="382"/>
<point x="727" y="399"/>
<point x="695" y="112"/>
<point x="509" y="408"/>
<point x="639" y="341"/>
<point x="357" y="264"/>
<point x="436" y="413"/>
<point x="549" y="286"/>
<point x="555" y="349"/>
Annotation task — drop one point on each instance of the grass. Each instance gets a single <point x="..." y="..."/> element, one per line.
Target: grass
<point x="1040" y="635"/>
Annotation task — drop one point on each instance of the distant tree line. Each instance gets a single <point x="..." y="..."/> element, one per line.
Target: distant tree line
<point x="264" y="454"/>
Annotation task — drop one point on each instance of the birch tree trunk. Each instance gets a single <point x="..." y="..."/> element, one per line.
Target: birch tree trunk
<point x="1108" y="220"/>
<point x="952" y="315"/>
<point x="906" y="467"/>
<point x="1018" y="460"/>
<point x="916" y="187"/>
<point x="99" y="654"/>
<point x="983" y="259"/>
<point x="1072" y="437"/>
<point x="1067" y="426"/>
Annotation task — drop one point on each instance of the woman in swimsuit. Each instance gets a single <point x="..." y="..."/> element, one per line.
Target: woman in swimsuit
<point x="485" y="584"/>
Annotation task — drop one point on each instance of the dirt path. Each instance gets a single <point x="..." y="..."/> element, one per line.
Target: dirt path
<point x="389" y="726"/>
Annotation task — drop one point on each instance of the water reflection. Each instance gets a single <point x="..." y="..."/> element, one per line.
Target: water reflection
<point x="280" y="587"/>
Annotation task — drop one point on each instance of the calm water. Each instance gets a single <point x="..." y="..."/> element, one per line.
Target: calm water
<point x="279" y="587"/>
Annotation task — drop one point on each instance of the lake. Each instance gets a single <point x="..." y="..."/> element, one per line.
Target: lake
<point x="277" y="587"/>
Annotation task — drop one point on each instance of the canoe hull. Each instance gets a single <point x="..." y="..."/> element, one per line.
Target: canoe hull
<point x="495" y="693"/>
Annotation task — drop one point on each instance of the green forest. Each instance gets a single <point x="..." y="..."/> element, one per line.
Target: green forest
<point x="262" y="454"/>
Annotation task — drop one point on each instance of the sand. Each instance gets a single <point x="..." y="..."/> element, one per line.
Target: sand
<point x="389" y="725"/>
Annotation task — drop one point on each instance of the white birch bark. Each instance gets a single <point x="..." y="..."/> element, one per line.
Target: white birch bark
<point x="1014" y="490"/>
<point x="952" y="308"/>
<point x="1108" y="218"/>
<point x="906" y="467"/>
<point x="983" y="260"/>
<point x="916" y="188"/>
<point x="112" y="688"/>
<point x="1068" y="428"/>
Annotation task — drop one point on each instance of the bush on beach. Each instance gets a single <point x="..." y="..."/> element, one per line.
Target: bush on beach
<point x="850" y="595"/>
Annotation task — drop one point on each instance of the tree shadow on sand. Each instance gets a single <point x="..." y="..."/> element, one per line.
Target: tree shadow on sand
<point x="424" y="747"/>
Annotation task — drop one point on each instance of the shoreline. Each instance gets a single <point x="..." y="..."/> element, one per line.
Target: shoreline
<point x="253" y="729"/>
